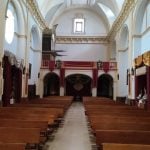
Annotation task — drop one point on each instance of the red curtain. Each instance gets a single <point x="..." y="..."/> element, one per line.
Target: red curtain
<point x="95" y="75"/>
<point x="52" y="65"/>
<point x="62" y="76"/>
<point x="106" y="66"/>
<point x="7" y="82"/>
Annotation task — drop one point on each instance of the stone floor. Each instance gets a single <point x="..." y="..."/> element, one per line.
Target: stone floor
<point x="74" y="133"/>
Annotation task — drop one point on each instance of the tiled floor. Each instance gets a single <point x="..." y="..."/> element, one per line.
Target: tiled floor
<point x="74" y="134"/>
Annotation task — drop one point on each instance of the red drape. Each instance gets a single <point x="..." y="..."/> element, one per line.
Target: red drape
<point x="95" y="75"/>
<point x="106" y="66"/>
<point x="52" y="65"/>
<point x="7" y="82"/>
<point x="62" y="76"/>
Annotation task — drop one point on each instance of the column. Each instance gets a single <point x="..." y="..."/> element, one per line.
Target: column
<point x="94" y="92"/>
<point x="62" y="91"/>
<point x="3" y="6"/>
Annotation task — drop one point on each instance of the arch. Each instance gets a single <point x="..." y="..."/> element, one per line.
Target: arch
<point x="35" y="37"/>
<point x="105" y="86"/>
<point x="20" y="15"/>
<point x="15" y="46"/>
<point x="51" y="84"/>
<point x="138" y="15"/>
<point x="78" y="85"/>
<point x="141" y="37"/>
<point x="124" y="37"/>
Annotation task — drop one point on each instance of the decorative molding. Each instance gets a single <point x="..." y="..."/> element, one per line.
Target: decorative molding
<point x="35" y="50"/>
<point x="20" y="36"/>
<point x="81" y="39"/>
<point x="35" y="11"/>
<point x="142" y="34"/>
<point x="123" y="50"/>
<point x="142" y="59"/>
<point x="137" y="36"/>
<point x="146" y="58"/>
<point x="126" y="9"/>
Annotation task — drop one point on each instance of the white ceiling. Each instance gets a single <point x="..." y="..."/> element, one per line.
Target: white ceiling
<point x="108" y="9"/>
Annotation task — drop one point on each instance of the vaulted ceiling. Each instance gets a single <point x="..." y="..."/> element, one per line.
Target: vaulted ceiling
<point x="108" y="9"/>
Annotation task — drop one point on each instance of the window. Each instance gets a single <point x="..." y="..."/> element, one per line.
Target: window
<point x="10" y="25"/>
<point x="79" y="25"/>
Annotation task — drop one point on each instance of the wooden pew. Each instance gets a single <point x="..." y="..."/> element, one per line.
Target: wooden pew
<point x="24" y="123"/>
<point x="122" y="136"/>
<point x="107" y="125"/>
<point x="33" y="136"/>
<point x="12" y="146"/>
<point x="114" y="146"/>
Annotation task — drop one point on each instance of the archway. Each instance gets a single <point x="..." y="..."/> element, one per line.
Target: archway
<point x="78" y="85"/>
<point x="51" y="84"/>
<point x="105" y="86"/>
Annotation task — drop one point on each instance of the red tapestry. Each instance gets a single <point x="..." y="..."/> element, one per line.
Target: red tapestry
<point x="52" y="65"/>
<point x="106" y="66"/>
<point x="62" y="76"/>
<point x="95" y="75"/>
<point x="78" y="64"/>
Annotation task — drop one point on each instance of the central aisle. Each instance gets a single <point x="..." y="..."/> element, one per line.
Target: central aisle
<point x="74" y="134"/>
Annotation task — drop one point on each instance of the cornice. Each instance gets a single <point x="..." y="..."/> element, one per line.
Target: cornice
<point x="35" y="50"/>
<point x="34" y="9"/>
<point x="126" y="9"/>
<point x="20" y="36"/>
<point x="81" y="39"/>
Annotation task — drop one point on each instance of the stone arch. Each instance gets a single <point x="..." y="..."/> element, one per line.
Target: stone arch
<point x="124" y="37"/>
<point x="138" y="15"/>
<point x="140" y="38"/>
<point x="78" y="85"/>
<point x="105" y="86"/>
<point x="35" y="37"/>
<point x="16" y="45"/>
<point x="51" y="84"/>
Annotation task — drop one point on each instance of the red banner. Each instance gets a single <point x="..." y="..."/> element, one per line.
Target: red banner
<point x="95" y="75"/>
<point x="78" y="64"/>
<point x="52" y="65"/>
<point x="62" y="76"/>
<point x="106" y="66"/>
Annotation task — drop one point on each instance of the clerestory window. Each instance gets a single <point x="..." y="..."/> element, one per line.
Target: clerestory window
<point x="79" y="25"/>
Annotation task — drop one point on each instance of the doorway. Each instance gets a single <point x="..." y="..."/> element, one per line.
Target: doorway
<point x="105" y="86"/>
<point x="51" y="85"/>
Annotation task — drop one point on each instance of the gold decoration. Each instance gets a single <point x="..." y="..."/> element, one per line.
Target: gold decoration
<point x="146" y="58"/>
<point x="138" y="61"/>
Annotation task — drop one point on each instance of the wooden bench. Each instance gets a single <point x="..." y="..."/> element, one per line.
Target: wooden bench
<point x="12" y="146"/>
<point x="114" y="146"/>
<point x="122" y="136"/>
<point x="32" y="136"/>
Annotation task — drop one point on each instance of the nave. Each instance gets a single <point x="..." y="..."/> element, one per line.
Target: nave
<point x="74" y="134"/>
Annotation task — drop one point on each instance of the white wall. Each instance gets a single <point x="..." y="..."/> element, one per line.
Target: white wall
<point x="94" y="25"/>
<point x="83" y="52"/>
<point x="145" y="46"/>
<point x="122" y="70"/>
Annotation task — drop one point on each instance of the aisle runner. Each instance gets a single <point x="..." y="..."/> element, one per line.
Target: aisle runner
<point x="74" y="134"/>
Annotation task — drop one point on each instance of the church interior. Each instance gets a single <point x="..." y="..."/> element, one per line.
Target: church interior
<point x="75" y="75"/>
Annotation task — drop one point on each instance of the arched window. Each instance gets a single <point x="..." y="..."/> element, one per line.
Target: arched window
<point x="10" y="23"/>
<point x="146" y="18"/>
